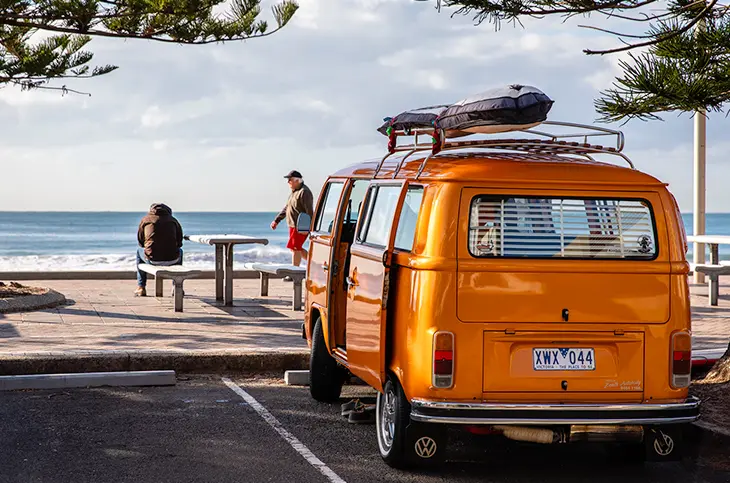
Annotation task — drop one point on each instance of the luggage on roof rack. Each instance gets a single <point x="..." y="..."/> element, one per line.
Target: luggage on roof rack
<point x="422" y="118"/>
<point x="514" y="108"/>
<point x="511" y="108"/>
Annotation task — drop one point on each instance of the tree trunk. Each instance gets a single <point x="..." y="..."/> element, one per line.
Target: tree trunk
<point x="720" y="372"/>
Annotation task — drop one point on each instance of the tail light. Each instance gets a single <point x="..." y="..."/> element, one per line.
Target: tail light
<point x="443" y="359"/>
<point x="681" y="359"/>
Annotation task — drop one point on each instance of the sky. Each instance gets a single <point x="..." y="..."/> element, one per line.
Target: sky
<point x="216" y="127"/>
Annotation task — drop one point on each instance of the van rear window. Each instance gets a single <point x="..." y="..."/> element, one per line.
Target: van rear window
<point x="561" y="228"/>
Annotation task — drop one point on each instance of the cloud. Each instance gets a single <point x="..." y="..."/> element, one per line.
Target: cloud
<point x="309" y="97"/>
<point x="154" y="117"/>
<point x="675" y="165"/>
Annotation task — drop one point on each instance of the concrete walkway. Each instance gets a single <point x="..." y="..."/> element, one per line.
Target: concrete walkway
<point x="104" y="318"/>
<point x="710" y="325"/>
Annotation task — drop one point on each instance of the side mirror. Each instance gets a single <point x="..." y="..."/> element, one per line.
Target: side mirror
<point x="304" y="222"/>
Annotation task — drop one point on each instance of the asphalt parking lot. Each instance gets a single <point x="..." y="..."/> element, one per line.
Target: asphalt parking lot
<point x="202" y="430"/>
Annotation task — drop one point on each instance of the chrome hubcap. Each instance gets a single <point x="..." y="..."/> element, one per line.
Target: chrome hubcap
<point x="387" y="419"/>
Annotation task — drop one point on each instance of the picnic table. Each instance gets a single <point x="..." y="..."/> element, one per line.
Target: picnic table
<point x="224" y="260"/>
<point x="715" y="268"/>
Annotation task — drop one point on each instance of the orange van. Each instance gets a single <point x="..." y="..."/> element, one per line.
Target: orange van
<point x="521" y="285"/>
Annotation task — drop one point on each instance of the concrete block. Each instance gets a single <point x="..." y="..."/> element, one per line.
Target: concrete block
<point x="87" y="379"/>
<point x="296" y="378"/>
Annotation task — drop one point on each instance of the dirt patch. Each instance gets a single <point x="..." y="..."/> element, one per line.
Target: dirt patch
<point x="15" y="297"/>
<point x="720" y="373"/>
<point x="715" y="399"/>
<point x="14" y="289"/>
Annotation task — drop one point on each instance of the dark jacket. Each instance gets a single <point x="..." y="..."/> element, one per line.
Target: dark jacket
<point x="160" y="234"/>
<point x="300" y="201"/>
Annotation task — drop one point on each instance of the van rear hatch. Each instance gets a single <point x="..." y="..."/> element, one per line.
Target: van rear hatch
<point x="564" y="362"/>
<point x="552" y="260"/>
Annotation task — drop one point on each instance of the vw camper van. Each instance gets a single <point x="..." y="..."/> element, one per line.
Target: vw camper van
<point x="532" y="286"/>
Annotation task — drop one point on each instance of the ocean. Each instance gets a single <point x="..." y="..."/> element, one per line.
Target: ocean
<point x="63" y="241"/>
<point x="60" y="241"/>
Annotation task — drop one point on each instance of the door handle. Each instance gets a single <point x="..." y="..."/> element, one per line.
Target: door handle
<point x="350" y="282"/>
<point x="325" y="267"/>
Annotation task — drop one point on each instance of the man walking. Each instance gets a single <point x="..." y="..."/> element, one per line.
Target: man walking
<point x="300" y="201"/>
<point x="160" y="238"/>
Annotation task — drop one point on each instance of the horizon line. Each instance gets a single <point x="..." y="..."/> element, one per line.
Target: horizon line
<point x="131" y="211"/>
<point x="225" y="211"/>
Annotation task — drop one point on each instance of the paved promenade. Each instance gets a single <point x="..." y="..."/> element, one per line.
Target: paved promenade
<point x="104" y="316"/>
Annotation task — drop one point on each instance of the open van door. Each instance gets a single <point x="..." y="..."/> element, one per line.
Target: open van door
<point x="368" y="280"/>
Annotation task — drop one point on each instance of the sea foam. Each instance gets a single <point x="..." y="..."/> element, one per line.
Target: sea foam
<point x="126" y="261"/>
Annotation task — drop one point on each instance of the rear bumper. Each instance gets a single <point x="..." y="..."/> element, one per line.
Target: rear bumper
<point x="554" y="414"/>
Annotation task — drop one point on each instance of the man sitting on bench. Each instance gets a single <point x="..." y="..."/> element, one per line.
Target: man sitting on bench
<point x="160" y="238"/>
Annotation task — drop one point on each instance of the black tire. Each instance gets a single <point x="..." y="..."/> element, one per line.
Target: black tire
<point x="326" y="376"/>
<point x="404" y="443"/>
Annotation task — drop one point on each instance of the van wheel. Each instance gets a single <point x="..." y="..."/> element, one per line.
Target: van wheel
<point x="404" y="443"/>
<point x="326" y="376"/>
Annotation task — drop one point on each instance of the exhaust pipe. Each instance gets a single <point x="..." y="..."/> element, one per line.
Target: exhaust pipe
<point x="606" y="433"/>
<point x="578" y="432"/>
<point x="529" y="434"/>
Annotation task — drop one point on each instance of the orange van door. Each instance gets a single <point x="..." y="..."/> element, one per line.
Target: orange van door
<point x="320" y="251"/>
<point x="368" y="281"/>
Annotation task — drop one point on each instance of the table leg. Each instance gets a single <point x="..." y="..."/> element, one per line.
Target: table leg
<point x="297" y="301"/>
<point x="714" y="279"/>
<point x="219" y="272"/>
<point x="228" y="275"/>
<point x="714" y="253"/>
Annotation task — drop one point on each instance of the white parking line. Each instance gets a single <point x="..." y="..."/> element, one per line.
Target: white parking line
<point x="290" y="438"/>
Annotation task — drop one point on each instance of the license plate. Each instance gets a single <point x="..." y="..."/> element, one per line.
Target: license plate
<point x="562" y="359"/>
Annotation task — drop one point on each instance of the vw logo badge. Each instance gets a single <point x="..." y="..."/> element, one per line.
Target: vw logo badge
<point x="663" y="444"/>
<point x="644" y="242"/>
<point x="425" y="447"/>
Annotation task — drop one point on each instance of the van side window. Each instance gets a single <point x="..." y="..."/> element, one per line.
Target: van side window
<point x="565" y="228"/>
<point x="406" y="230"/>
<point x="354" y="204"/>
<point x="352" y="209"/>
<point x="328" y="210"/>
<point x="375" y="227"/>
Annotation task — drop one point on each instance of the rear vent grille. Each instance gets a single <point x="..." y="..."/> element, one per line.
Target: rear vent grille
<point x="568" y="228"/>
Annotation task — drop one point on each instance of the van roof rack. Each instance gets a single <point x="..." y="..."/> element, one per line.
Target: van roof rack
<point x="546" y="141"/>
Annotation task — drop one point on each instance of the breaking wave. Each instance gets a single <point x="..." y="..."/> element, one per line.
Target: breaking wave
<point x="101" y="262"/>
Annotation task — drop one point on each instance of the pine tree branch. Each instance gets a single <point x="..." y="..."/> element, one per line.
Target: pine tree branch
<point x="64" y="90"/>
<point x="512" y="9"/>
<point x="617" y="34"/>
<point x="655" y="41"/>
<point x="648" y="18"/>
<point x="73" y="23"/>
<point x="118" y="35"/>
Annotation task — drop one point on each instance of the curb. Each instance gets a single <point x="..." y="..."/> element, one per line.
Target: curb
<point x="211" y="362"/>
<point x="87" y="379"/>
<point x="707" y="357"/>
<point x="28" y="303"/>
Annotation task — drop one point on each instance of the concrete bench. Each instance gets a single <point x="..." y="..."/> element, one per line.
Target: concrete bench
<point x="177" y="273"/>
<point x="297" y="275"/>
<point x="713" y="272"/>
